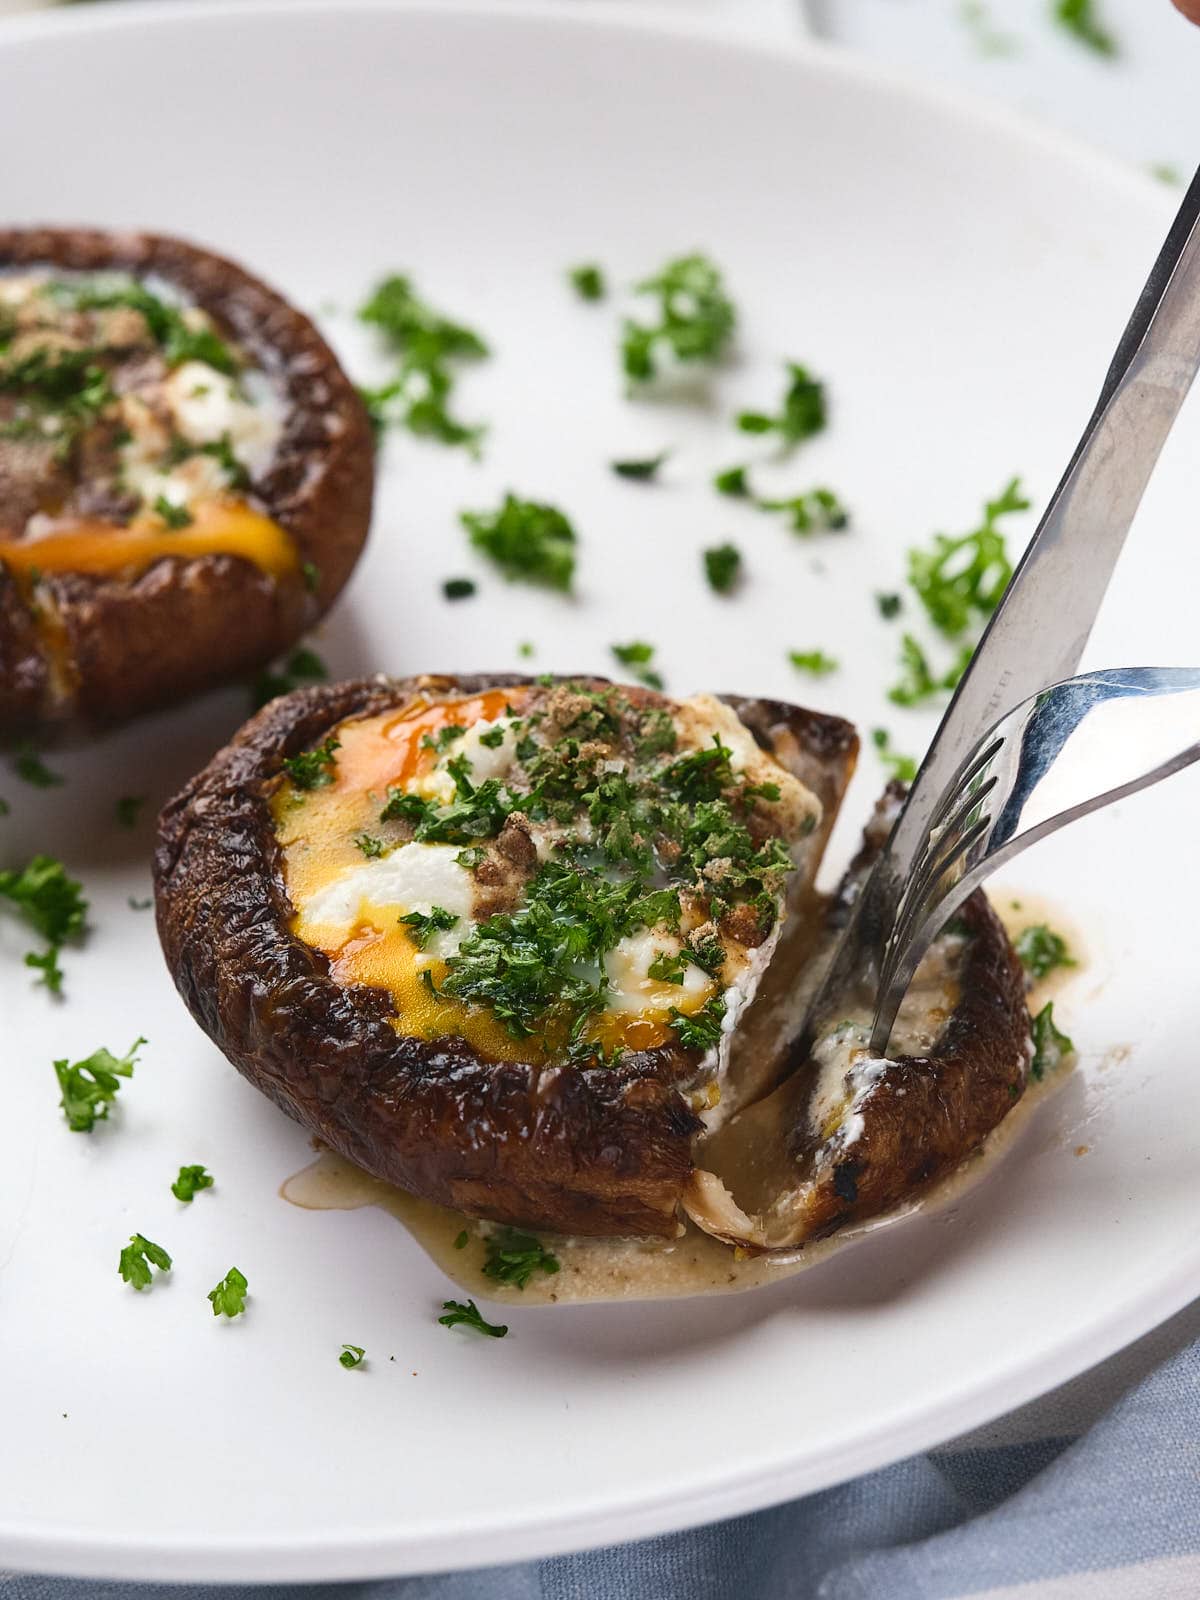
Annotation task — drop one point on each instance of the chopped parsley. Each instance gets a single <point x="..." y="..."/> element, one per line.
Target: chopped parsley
<point x="137" y="1259"/>
<point x="370" y="846"/>
<point x="1050" y="1046"/>
<point x="902" y="767"/>
<point x="1042" y="950"/>
<point x="53" y="903"/>
<point x="917" y="682"/>
<point x="428" y="349"/>
<point x="461" y="1240"/>
<point x="802" y="412"/>
<point x="313" y="769"/>
<point x="668" y="967"/>
<point x="458" y="588"/>
<point x="818" y="511"/>
<point x="472" y="857"/>
<point x="643" y="470"/>
<point x="1081" y="19"/>
<point x="135" y="904"/>
<point x="695" y="322"/>
<point x="352" y="1356"/>
<point x="128" y="808"/>
<point x="527" y="540"/>
<point x="29" y="766"/>
<point x="175" y="516"/>
<point x="525" y="649"/>
<point x="587" y="280"/>
<point x="492" y="739"/>
<point x="722" y="567"/>
<point x="637" y="656"/>
<point x="89" y="1087"/>
<point x="311" y="573"/>
<point x="189" y="1183"/>
<point x="815" y="662"/>
<point x="229" y="1297"/>
<point x="733" y="482"/>
<point x="423" y="925"/>
<point x="960" y="580"/>
<point x="469" y="1316"/>
<point x="889" y="606"/>
<point x="302" y="666"/>
<point x="181" y="338"/>
<point x="699" y="1030"/>
<point x="513" y="1257"/>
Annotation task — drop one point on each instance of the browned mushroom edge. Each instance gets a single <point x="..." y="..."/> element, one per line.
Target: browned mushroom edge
<point x="80" y="647"/>
<point x="594" y="1150"/>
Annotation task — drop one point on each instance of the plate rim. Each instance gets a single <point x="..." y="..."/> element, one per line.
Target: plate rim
<point x="507" y="1538"/>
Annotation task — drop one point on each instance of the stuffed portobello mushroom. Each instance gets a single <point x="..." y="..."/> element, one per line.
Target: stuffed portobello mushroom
<point x="529" y="949"/>
<point x="185" y="474"/>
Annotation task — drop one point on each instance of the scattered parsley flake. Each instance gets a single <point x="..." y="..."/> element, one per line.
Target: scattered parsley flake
<point x="352" y="1356"/>
<point x="458" y="588"/>
<point x="462" y="1240"/>
<point x="637" y="656"/>
<point x="1081" y="19"/>
<point x="189" y="1183"/>
<point x="527" y="540"/>
<point x="588" y="282"/>
<point x="696" y="318"/>
<point x="733" y="482"/>
<point x="960" y="580"/>
<point x="427" y="347"/>
<point x="89" y="1087"/>
<point x="987" y="38"/>
<point x="889" y="606"/>
<point x="1042" y="950"/>
<point x="29" y="766"/>
<point x="470" y="1316"/>
<point x="313" y="769"/>
<point x="722" y="567"/>
<point x="815" y="662"/>
<point x="137" y="1259"/>
<point x="370" y="846"/>
<point x="229" y="1297"/>
<point x="311" y="573"/>
<point x="818" y="511"/>
<point x="135" y="904"/>
<point x="802" y="412"/>
<point x="641" y="471"/>
<point x="917" y="682"/>
<point x="53" y="903"/>
<point x="1050" y="1046"/>
<point x="525" y="649"/>
<point x="513" y="1257"/>
<point x="127" y="808"/>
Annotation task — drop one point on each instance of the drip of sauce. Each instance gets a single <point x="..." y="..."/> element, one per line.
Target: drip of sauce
<point x="694" y="1263"/>
<point x="219" y="527"/>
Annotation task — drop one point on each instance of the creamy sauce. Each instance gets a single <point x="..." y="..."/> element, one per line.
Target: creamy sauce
<point x="627" y="1269"/>
<point x="694" y="1263"/>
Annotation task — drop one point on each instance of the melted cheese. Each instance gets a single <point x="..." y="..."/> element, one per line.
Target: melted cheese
<point x="219" y="527"/>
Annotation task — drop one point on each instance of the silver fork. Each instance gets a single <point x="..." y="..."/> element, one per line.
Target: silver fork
<point x="1061" y="754"/>
<point x="1038" y="632"/>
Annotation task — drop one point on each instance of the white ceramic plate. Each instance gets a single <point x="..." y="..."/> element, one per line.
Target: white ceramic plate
<point x="960" y="281"/>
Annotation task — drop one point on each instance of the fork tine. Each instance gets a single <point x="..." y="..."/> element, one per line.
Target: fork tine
<point x="940" y="852"/>
<point x="917" y="908"/>
<point x="969" y="773"/>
